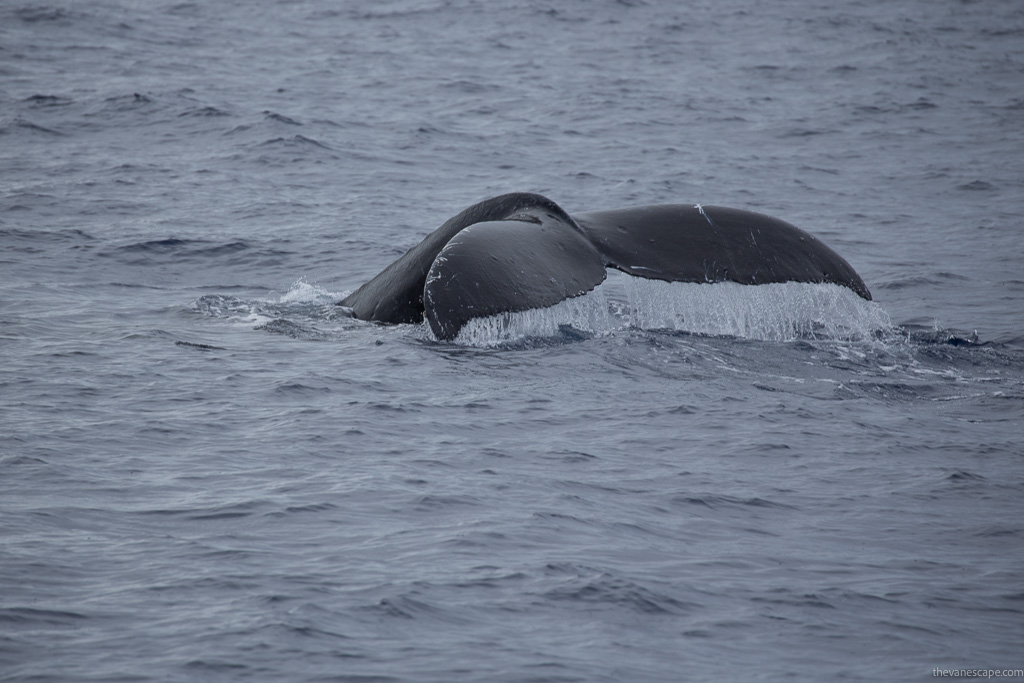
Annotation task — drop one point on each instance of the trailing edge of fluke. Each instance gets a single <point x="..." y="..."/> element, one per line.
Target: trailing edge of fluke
<point x="521" y="251"/>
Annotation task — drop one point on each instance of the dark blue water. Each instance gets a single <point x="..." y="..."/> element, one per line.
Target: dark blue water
<point x="207" y="472"/>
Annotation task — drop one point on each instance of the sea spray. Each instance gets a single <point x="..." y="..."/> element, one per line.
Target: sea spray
<point x="771" y="312"/>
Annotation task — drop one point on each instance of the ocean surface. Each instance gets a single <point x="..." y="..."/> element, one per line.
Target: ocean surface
<point x="209" y="473"/>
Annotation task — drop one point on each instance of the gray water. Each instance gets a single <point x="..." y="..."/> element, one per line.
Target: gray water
<point x="208" y="472"/>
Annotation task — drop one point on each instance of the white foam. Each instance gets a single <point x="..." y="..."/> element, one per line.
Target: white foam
<point x="302" y="299"/>
<point x="590" y="313"/>
<point x="771" y="312"/>
<point x="302" y="292"/>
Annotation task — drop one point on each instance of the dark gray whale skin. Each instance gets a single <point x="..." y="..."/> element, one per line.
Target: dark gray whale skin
<point x="520" y="251"/>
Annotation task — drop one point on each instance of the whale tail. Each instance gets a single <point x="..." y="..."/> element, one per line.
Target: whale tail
<point x="395" y="295"/>
<point x="694" y="243"/>
<point x="522" y="251"/>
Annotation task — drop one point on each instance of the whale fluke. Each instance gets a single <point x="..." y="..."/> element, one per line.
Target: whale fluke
<point x="694" y="243"/>
<point x="521" y="251"/>
<point x="533" y="260"/>
<point x="395" y="295"/>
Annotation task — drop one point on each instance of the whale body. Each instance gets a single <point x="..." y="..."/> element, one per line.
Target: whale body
<point x="522" y="251"/>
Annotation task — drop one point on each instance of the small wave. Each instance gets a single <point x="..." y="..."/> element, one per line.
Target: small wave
<point x="977" y="186"/>
<point x="772" y="312"/>
<point x="36" y="128"/>
<point x="40" y="618"/>
<point x="198" y="346"/>
<point x="44" y="236"/>
<point x="290" y="329"/>
<point x="713" y="501"/>
<point x="181" y="250"/>
<point x="407" y="607"/>
<point x="204" y="112"/>
<point x="48" y="100"/>
<point x="603" y="589"/>
<point x="295" y="141"/>
<point x="280" y="118"/>
<point x="32" y="15"/>
<point x="294" y="313"/>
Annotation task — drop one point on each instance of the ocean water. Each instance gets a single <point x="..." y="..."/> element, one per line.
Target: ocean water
<point x="208" y="472"/>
